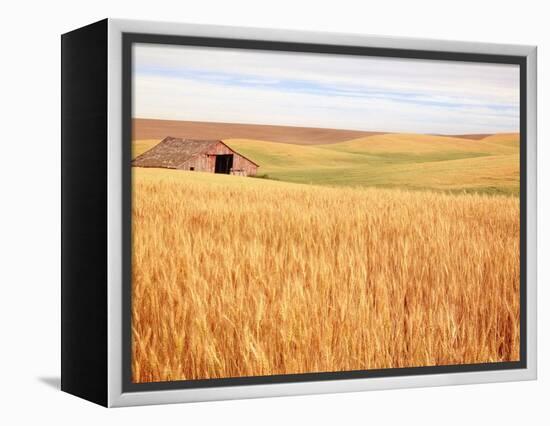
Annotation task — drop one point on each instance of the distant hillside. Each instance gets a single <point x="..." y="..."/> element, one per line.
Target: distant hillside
<point x="473" y="137"/>
<point x="417" y="144"/>
<point x="159" y="129"/>
<point x="408" y="161"/>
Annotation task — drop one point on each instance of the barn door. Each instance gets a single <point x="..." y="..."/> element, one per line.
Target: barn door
<point x="224" y="163"/>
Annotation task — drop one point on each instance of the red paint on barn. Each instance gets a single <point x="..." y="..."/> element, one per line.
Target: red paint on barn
<point x="199" y="155"/>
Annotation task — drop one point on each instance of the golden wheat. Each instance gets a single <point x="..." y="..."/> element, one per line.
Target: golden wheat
<point x="243" y="277"/>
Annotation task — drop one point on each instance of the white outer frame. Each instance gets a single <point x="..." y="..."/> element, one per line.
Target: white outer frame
<point x="116" y="397"/>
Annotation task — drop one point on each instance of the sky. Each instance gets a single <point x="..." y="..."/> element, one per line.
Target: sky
<point x="322" y="90"/>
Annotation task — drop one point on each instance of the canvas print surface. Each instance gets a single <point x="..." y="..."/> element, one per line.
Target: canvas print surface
<point x="304" y="213"/>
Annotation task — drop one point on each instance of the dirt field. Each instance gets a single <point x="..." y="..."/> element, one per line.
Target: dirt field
<point x="238" y="277"/>
<point x="159" y="129"/>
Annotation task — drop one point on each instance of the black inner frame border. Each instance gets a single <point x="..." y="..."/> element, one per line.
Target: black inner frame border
<point x="128" y="39"/>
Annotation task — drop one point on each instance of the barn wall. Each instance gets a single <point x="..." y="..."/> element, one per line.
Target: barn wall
<point x="206" y="162"/>
<point x="244" y="167"/>
<point x="201" y="163"/>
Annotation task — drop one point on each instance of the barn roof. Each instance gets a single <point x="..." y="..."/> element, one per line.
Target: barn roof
<point x="173" y="152"/>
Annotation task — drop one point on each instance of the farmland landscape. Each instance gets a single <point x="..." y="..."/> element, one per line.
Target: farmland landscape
<point x="352" y="250"/>
<point x="485" y="164"/>
<point x="299" y="212"/>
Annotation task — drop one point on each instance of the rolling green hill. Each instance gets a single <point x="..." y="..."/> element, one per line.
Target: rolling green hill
<point x="410" y="161"/>
<point x="490" y="165"/>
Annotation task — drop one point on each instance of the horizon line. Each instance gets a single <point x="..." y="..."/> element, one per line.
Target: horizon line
<point x="334" y="128"/>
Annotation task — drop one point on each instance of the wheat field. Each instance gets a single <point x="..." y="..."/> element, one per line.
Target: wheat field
<point x="240" y="277"/>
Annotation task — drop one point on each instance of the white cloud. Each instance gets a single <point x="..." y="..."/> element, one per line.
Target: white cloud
<point x="209" y="84"/>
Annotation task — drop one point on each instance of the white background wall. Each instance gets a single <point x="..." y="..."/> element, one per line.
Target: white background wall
<point x="30" y="200"/>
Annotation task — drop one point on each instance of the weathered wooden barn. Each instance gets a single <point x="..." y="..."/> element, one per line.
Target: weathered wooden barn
<point x="200" y="155"/>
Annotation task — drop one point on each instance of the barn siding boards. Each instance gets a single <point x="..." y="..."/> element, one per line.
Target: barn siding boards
<point x="193" y="154"/>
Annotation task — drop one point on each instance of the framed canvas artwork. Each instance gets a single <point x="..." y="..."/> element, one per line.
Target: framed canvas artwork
<point x="250" y="213"/>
